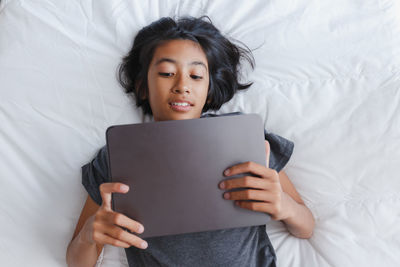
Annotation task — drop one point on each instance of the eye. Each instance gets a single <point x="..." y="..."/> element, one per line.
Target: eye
<point x="196" y="77"/>
<point x="166" y="74"/>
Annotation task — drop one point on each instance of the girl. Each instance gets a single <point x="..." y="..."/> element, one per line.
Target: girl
<point x="178" y="70"/>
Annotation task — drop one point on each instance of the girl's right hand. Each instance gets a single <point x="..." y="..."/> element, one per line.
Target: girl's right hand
<point x="104" y="227"/>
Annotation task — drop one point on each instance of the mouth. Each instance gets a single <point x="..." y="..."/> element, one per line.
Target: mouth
<point x="181" y="106"/>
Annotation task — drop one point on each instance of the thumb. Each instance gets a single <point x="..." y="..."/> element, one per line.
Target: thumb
<point x="267" y="153"/>
<point x="106" y="189"/>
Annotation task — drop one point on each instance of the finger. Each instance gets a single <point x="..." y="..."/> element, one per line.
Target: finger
<point x="245" y="181"/>
<point x="122" y="235"/>
<point x="252" y="167"/>
<point x="106" y="239"/>
<point x="259" y="195"/>
<point x="124" y="221"/>
<point x="106" y="189"/>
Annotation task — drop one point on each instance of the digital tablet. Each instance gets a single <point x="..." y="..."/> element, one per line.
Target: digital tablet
<point x="173" y="169"/>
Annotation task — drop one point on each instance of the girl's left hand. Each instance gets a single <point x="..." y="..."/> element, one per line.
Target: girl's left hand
<point x="264" y="187"/>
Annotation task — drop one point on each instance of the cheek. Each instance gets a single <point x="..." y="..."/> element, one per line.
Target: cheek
<point x="153" y="94"/>
<point x="205" y="89"/>
<point x="150" y="83"/>
<point x="156" y="87"/>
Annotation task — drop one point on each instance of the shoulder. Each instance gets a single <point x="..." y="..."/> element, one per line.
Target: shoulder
<point x="280" y="148"/>
<point x="96" y="172"/>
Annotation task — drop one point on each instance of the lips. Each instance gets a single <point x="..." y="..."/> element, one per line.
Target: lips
<point x="181" y="105"/>
<point x="184" y="104"/>
<point x="181" y="102"/>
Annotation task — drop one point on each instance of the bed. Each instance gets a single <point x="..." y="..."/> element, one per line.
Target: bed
<point x="327" y="77"/>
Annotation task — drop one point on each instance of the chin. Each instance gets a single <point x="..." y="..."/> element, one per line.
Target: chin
<point x="183" y="116"/>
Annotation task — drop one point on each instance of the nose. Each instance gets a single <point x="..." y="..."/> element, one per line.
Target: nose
<point x="181" y="90"/>
<point x="182" y="86"/>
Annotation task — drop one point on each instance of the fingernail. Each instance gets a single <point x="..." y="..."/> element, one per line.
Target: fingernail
<point x="124" y="187"/>
<point x="226" y="172"/>
<point x="141" y="229"/>
<point x="226" y="195"/>
<point x="222" y="185"/>
<point x="144" y="244"/>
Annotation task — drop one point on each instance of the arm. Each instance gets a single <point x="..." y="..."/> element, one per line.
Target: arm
<point x="300" y="221"/>
<point x="80" y="252"/>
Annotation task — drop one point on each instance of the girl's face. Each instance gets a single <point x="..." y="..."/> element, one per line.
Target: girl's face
<point x="178" y="81"/>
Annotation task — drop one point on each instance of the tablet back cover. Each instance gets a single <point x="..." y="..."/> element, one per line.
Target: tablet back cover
<point x="173" y="169"/>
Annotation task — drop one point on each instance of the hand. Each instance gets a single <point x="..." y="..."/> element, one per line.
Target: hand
<point x="264" y="189"/>
<point x="104" y="227"/>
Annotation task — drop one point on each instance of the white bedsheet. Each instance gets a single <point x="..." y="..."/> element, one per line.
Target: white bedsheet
<point x="327" y="77"/>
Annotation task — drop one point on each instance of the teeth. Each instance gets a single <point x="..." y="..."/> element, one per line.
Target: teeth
<point x="180" y="104"/>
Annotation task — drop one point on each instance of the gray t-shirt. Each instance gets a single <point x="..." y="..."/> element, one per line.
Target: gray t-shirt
<point x="244" y="246"/>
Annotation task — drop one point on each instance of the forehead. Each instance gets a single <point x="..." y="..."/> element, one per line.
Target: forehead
<point x="181" y="51"/>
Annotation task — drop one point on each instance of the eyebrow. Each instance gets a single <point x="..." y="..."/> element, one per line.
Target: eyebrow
<point x="165" y="59"/>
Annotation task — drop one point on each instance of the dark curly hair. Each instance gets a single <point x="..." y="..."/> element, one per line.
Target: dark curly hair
<point x="222" y="55"/>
